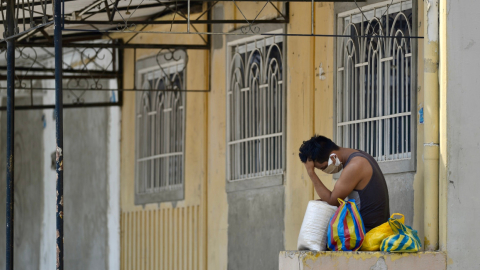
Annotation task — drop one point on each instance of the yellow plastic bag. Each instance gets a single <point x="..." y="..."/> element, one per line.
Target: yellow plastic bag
<point x="374" y="238"/>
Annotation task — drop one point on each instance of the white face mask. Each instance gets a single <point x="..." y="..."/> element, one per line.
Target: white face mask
<point x="333" y="167"/>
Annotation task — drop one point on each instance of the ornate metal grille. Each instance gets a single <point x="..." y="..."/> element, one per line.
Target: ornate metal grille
<point x="375" y="82"/>
<point x="160" y="128"/>
<point x="91" y="76"/>
<point x="255" y="108"/>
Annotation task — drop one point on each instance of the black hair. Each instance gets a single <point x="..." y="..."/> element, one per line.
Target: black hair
<point x="318" y="148"/>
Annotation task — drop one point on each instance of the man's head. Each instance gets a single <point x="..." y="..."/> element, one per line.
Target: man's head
<point x="318" y="149"/>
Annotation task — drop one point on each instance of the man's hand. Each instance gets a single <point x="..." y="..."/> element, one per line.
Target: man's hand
<point x="310" y="166"/>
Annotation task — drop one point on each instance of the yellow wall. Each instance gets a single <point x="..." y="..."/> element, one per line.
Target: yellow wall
<point x="300" y="119"/>
<point x="310" y="109"/>
<point x="217" y="197"/>
<point x="324" y="88"/>
<point x="307" y="94"/>
<point x="166" y="234"/>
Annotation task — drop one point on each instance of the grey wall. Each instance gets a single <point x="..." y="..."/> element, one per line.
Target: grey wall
<point x="28" y="177"/>
<point x="85" y="194"/>
<point x="255" y="228"/>
<point x="463" y="130"/>
<point x="401" y="194"/>
<point x="85" y="189"/>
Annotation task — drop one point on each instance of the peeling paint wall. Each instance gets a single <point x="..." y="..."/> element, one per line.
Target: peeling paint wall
<point x="311" y="260"/>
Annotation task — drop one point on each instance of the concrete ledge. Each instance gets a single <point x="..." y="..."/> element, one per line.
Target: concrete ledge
<point x="312" y="260"/>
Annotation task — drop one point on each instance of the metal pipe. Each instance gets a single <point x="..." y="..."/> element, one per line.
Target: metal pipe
<point x="443" y="160"/>
<point x="10" y="131"/>
<point x="108" y="89"/>
<point x="51" y="77"/>
<point x="188" y="17"/>
<point x="431" y="126"/>
<point x="66" y="106"/>
<point x="59" y="128"/>
<point x="187" y="22"/>
<point x="119" y="45"/>
<point x="74" y="71"/>
<point x="120" y="71"/>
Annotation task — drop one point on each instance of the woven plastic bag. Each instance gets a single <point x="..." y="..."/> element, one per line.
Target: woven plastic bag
<point x="374" y="238"/>
<point x="313" y="234"/>
<point x="404" y="240"/>
<point x="346" y="231"/>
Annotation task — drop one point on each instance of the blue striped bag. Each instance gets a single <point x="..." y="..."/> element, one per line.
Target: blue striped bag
<point x="405" y="239"/>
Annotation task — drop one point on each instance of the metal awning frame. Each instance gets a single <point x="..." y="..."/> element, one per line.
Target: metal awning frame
<point x="84" y="40"/>
<point x="14" y="38"/>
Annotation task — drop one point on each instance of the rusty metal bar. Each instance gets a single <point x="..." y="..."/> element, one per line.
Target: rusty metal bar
<point x="10" y="31"/>
<point x="114" y="9"/>
<point x="59" y="129"/>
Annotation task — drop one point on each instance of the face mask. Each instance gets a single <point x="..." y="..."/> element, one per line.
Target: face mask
<point x="333" y="168"/>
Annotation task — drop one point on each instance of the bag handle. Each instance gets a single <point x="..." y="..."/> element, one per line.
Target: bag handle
<point x="398" y="227"/>
<point x="341" y="201"/>
<point x="401" y="218"/>
<point x="397" y="214"/>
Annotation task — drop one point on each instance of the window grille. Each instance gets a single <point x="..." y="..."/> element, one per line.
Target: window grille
<point x="160" y="131"/>
<point x="376" y="82"/>
<point x="255" y="108"/>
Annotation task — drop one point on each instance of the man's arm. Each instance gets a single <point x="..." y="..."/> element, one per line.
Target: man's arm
<point x="349" y="179"/>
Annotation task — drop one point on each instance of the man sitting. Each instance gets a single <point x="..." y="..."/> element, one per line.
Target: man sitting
<point x="361" y="178"/>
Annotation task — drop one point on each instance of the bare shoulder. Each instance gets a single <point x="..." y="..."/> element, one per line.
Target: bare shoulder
<point x="359" y="160"/>
<point x="359" y="165"/>
<point x="354" y="173"/>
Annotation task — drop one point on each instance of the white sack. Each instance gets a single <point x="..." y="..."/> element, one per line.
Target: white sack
<point x="313" y="234"/>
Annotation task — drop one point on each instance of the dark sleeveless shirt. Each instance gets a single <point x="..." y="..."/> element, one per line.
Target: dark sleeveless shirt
<point x="372" y="201"/>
